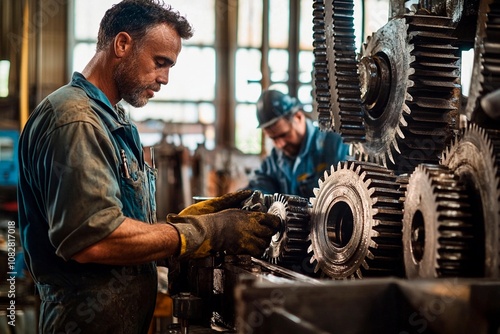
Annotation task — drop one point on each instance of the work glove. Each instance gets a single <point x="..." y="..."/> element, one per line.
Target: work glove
<point x="216" y="204"/>
<point x="234" y="231"/>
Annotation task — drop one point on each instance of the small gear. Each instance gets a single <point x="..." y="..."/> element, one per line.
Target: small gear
<point x="288" y="246"/>
<point x="440" y="238"/>
<point x="356" y="222"/>
<point x="475" y="157"/>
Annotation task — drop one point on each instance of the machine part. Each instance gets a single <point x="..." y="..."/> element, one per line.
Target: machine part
<point x="410" y="91"/>
<point x="185" y="308"/>
<point x="271" y="272"/>
<point x="384" y="70"/>
<point x="490" y="103"/>
<point x="440" y="237"/>
<point x="335" y="69"/>
<point x="475" y="157"/>
<point x="356" y="222"/>
<point x="384" y="305"/>
<point x="257" y="202"/>
<point x="397" y="8"/>
<point x="289" y="245"/>
<point x="486" y="68"/>
<point x="234" y="270"/>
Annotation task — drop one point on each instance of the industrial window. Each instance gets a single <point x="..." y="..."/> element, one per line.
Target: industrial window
<point x="4" y="78"/>
<point x="287" y="46"/>
<point x="254" y="41"/>
<point x="186" y="104"/>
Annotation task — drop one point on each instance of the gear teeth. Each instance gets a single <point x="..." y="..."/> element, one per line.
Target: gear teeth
<point x="420" y="117"/>
<point x="475" y="157"/>
<point x="396" y="147"/>
<point x="485" y="72"/>
<point x="433" y="106"/>
<point x="371" y="190"/>
<point x="289" y="247"/>
<point x="439" y="234"/>
<point x="336" y="79"/>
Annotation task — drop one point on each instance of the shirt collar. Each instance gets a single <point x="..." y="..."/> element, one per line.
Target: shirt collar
<point x="78" y="80"/>
<point x="112" y="118"/>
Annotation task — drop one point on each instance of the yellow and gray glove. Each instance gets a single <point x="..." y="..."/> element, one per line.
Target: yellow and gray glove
<point x="234" y="231"/>
<point x="216" y="204"/>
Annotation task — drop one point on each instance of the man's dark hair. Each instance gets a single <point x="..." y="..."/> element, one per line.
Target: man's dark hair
<point x="136" y="17"/>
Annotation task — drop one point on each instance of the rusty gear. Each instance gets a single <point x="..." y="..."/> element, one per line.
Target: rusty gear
<point x="356" y="222"/>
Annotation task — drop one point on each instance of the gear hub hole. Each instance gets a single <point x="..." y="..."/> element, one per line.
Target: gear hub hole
<point x="375" y="79"/>
<point x="417" y="236"/>
<point x="340" y="224"/>
<point x="277" y="236"/>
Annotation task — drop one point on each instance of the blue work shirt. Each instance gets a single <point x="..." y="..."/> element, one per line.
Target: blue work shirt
<point x="298" y="176"/>
<point x="73" y="192"/>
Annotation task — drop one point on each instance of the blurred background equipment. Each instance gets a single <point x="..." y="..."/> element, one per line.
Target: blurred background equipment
<point x="9" y="169"/>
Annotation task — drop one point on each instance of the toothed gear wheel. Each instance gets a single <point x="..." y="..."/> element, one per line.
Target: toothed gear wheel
<point x="475" y="157"/>
<point x="336" y="74"/>
<point x="486" y="68"/>
<point x="356" y="222"/>
<point x="440" y="237"/>
<point x="384" y="72"/>
<point x="410" y="91"/>
<point x="288" y="246"/>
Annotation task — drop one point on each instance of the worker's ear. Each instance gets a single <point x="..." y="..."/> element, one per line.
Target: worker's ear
<point x="299" y="116"/>
<point x="122" y="44"/>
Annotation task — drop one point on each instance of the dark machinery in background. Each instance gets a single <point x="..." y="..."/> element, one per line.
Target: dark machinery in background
<point x="420" y="201"/>
<point x="9" y="169"/>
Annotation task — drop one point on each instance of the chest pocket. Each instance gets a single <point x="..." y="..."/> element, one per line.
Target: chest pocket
<point x="138" y="192"/>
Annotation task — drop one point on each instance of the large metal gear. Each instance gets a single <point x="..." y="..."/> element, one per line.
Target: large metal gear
<point x="356" y="222"/>
<point x="410" y="91"/>
<point x="486" y="68"/>
<point x="335" y="69"/>
<point x="440" y="236"/>
<point x="384" y="72"/>
<point x="475" y="157"/>
<point x="288" y="246"/>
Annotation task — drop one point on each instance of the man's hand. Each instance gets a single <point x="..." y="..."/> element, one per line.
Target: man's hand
<point x="234" y="231"/>
<point x="227" y="201"/>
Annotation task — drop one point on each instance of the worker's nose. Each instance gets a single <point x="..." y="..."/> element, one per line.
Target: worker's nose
<point x="279" y="143"/>
<point x="163" y="77"/>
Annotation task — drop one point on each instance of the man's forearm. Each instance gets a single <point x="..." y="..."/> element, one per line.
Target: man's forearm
<point x="133" y="242"/>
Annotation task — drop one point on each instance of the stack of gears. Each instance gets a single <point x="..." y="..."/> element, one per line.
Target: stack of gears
<point x="421" y="197"/>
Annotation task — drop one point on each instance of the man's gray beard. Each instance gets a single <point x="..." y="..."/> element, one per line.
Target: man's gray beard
<point x="128" y="92"/>
<point x="135" y="100"/>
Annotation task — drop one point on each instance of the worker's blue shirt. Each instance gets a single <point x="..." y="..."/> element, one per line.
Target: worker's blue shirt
<point x="72" y="190"/>
<point x="299" y="176"/>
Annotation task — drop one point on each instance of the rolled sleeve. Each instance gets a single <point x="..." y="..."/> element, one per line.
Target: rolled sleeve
<point x="82" y="190"/>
